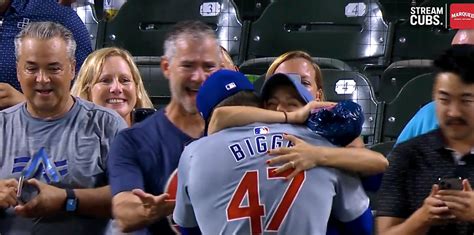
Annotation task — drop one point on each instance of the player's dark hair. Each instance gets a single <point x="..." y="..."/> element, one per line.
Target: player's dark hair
<point x="241" y="98"/>
<point x="458" y="59"/>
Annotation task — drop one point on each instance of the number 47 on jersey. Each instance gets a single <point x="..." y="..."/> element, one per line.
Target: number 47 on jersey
<point x="254" y="210"/>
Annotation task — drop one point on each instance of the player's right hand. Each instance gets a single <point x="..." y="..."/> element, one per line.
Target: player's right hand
<point x="155" y="207"/>
<point x="8" y="193"/>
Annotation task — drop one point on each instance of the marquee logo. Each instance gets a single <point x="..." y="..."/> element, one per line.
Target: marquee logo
<point x="427" y="16"/>
<point x="461" y="16"/>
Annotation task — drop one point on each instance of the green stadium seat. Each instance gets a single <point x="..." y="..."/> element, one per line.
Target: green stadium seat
<point x="415" y="42"/>
<point x="156" y="85"/>
<point x="384" y="148"/>
<point x="334" y="29"/>
<point x="416" y="93"/>
<point x="251" y="9"/>
<point x="260" y="65"/>
<point x="398" y="74"/>
<point x="349" y="85"/>
<point x="394" y="10"/>
<point x="141" y="25"/>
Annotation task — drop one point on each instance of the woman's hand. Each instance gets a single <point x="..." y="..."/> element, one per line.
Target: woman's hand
<point x="300" y="157"/>
<point x="301" y="115"/>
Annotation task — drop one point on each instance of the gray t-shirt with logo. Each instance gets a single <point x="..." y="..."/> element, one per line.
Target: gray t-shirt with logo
<point x="76" y="146"/>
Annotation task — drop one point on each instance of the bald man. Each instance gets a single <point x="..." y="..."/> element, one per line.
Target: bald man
<point x="425" y="119"/>
<point x="464" y="37"/>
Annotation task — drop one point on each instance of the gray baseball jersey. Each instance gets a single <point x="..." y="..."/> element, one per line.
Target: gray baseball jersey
<point x="75" y="146"/>
<point x="226" y="187"/>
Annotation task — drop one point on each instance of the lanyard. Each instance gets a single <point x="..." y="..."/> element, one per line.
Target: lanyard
<point x="41" y="157"/>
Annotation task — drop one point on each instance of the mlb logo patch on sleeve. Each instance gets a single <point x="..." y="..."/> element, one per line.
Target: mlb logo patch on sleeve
<point x="261" y="130"/>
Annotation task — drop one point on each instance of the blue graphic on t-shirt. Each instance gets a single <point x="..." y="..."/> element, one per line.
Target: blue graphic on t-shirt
<point x="40" y="165"/>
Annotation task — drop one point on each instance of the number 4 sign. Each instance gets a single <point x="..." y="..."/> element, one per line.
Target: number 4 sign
<point x="355" y="9"/>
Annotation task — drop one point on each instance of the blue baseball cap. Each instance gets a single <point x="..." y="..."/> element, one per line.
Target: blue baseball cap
<point x="219" y="86"/>
<point x="291" y="79"/>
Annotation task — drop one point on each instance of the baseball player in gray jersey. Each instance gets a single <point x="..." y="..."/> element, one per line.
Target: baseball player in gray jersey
<point x="226" y="187"/>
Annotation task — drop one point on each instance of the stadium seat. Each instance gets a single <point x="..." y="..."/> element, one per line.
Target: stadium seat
<point x="415" y="42"/>
<point x="251" y="10"/>
<point x="141" y="25"/>
<point x="260" y="65"/>
<point x="416" y="93"/>
<point x="348" y="85"/>
<point x="394" y="10"/>
<point x="155" y="83"/>
<point x="398" y="74"/>
<point x="334" y="29"/>
<point x="384" y="148"/>
<point x="88" y="15"/>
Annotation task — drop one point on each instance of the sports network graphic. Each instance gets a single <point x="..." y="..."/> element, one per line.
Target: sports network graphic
<point x="454" y="16"/>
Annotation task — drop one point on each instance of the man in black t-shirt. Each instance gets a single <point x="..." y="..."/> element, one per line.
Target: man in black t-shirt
<point x="411" y="201"/>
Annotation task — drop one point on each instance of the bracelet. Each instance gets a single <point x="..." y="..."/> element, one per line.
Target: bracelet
<point x="286" y="117"/>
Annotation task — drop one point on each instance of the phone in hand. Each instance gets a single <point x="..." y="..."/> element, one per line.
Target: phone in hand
<point x="139" y="114"/>
<point x="25" y="192"/>
<point x="450" y="183"/>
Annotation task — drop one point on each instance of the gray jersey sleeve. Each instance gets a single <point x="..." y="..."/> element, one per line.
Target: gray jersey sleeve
<point x="350" y="201"/>
<point x="183" y="213"/>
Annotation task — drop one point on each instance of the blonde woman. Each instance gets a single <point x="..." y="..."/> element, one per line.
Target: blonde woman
<point x="110" y="78"/>
<point x="226" y="60"/>
<point x="301" y="63"/>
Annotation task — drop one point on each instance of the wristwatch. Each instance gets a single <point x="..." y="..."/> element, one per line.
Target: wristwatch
<point x="71" y="201"/>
